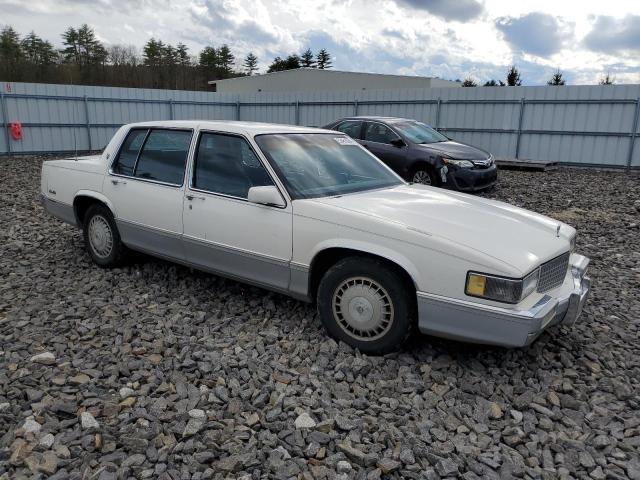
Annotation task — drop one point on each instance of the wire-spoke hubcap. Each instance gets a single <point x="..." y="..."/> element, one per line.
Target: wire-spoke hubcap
<point x="100" y="236"/>
<point x="422" y="177"/>
<point x="362" y="308"/>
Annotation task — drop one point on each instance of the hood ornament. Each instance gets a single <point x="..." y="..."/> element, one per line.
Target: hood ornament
<point x="558" y="231"/>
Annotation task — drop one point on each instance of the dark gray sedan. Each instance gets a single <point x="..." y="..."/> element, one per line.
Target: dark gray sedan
<point x="420" y="154"/>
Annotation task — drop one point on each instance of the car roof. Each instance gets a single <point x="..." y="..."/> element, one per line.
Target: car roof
<point x="232" y="126"/>
<point x="378" y="118"/>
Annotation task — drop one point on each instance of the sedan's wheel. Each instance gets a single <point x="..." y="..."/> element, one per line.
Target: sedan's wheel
<point x="423" y="177"/>
<point x="102" y="238"/>
<point x="367" y="304"/>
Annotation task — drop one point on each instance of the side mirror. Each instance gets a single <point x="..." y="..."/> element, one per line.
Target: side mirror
<point x="267" y="195"/>
<point x="398" y="142"/>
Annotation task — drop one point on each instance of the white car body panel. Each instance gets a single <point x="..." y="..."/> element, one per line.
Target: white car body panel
<point x="435" y="236"/>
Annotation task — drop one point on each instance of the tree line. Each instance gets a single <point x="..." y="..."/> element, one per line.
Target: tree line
<point x="514" y="79"/>
<point x="84" y="60"/>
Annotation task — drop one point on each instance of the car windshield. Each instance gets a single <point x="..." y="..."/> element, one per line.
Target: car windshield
<point x="322" y="165"/>
<point x="418" y="132"/>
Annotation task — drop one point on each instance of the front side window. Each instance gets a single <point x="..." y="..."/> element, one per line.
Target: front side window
<point x="351" y="128"/>
<point x="164" y="156"/>
<point x="321" y="164"/>
<point x="126" y="161"/>
<point x="376" y="132"/>
<point x="227" y="165"/>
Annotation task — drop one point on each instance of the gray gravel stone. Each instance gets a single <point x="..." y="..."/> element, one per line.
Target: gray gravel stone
<point x="190" y="376"/>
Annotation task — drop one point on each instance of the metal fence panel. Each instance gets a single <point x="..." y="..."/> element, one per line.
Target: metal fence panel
<point x="595" y="125"/>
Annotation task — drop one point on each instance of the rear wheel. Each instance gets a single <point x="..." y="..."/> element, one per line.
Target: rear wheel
<point x="424" y="176"/>
<point x="366" y="305"/>
<point x="102" y="238"/>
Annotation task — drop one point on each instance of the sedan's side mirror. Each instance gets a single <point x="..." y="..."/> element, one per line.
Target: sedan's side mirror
<point x="398" y="142"/>
<point x="267" y="195"/>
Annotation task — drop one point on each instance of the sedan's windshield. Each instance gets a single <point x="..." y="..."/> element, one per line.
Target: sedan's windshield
<point x="321" y="165"/>
<point x="418" y="132"/>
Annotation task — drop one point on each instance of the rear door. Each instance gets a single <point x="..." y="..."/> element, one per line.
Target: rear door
<point x="377" y="138"/>
<point x="146" y="187"/>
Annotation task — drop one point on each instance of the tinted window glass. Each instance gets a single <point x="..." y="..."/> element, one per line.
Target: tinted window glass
<point x="164" y="156"/>
<point x="376" y="132"/>
<point x="226" y="164"/>
<point x="351" y="128"/>
<point x="126" y="160"/>
<point x="318" y="165"/>
<point x="418" y="132"/>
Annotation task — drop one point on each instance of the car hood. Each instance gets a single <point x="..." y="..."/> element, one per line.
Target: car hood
<point x="509" y="235"/>
<point x="455" y="150"/>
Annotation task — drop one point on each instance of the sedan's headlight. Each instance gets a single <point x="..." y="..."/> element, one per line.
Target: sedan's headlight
<point x="458" y="163"/>
<point x="501" y="289"/>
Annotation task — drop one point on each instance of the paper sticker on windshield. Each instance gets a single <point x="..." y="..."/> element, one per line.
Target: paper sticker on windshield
<point x="345" y="140"/>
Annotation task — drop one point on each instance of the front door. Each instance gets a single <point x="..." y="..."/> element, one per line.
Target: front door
<point x="223" y="231"/>
<point x="146" y="186"/>
<point x="377" y="139"/>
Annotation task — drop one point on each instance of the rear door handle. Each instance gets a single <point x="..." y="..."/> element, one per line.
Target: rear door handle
<point x="194" y="197"/>
<point x="116" y="182"/>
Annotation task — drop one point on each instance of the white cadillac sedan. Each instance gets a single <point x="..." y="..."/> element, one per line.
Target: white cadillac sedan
<point x="312" y="214"/>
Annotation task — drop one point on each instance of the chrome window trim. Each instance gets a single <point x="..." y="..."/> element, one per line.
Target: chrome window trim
<point x="384" y="125"/>
<point x="135" y="165"/>
<point x="192" y="164"/>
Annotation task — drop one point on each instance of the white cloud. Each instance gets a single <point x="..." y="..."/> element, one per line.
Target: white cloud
<point x="422" y="37"/>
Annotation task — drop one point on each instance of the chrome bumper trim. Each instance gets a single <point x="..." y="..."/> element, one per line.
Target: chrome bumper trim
<point x="487" y="324"/>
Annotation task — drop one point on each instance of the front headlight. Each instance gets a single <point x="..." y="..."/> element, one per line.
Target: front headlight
<point x="501" y="289"/>
<point x="458" y="163"/>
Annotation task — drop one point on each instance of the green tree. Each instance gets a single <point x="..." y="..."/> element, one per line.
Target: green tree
<point x="82" y="47"/>
<point x="10" y="54"/>
<point x="226" y="59"/>
<point x="250" y="63"/>
<point x="513" y="77"/>
<point x="152" y="52"/>
<point x="209" y="58"/>
<point x="182" y="54"/>
<point x="469" y="82"/>
<point x="38" y="51"/>
<point x="307" y="59"/>
<point x="556" y="79"/>
<point x="607" y="80"/>
<point x="324" y="59"/>
<point x="493" y="83"/>
<point x="290" y="63"/>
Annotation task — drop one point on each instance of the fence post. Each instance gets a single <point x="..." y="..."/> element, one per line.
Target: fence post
<point x="87" y="121"/>
<point x="5" y="121"/>
<point x="519" y="133"/>
<point x="171" y="109"/>
<point x="355" y="108"/>
<point x="437" y="125"/>
<point x="297" y="112"/>
<point x="634" y="131"/>
<point x="238" y="110"/>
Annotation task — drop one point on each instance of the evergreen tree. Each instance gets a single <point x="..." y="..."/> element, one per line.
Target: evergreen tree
<point x="469" y="82"/>
<point x="324" y="59"/>
<point x="290" y="63"/>
<point x="513" y="77"/>
<point x="226" y="59"/>
<point x="38" y="51"/>
<point x="606" y="80"/>
<point x="10" y="53"/>
<point x="82" y="47"/>
<point x="209" y="58"/>
<point x="152" y="52"/>
<point x="307" y="59"/>
<point x="182" y="53"/>
<point x="250" y="63"/>
<point x="493" y="83"/>
<point x="556" y="79"/>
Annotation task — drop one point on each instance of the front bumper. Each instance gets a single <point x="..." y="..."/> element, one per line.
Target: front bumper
<point x="479" y="323"/>
<point x="471" y="179"/>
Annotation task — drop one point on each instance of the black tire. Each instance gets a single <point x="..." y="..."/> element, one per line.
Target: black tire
<point x="116" y="254"/>
<point x="422" y="169"/>
<point x="394" y="287"/>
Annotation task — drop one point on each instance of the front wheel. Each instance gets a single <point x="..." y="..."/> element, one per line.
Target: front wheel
<point x="424" y="176"/>
<point x="102" y="238"/>
<point x="366" y="305"/>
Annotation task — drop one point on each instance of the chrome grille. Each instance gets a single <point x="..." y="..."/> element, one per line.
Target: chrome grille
<point x="553" y="272"/>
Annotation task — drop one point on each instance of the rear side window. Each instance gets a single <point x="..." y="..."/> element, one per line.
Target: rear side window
<point x="164" y="156"/>
<point x="126" y="161"/>
<point x="351" y="128"/>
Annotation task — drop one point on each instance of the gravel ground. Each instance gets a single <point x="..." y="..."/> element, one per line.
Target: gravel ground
<point x="156" y="371"/>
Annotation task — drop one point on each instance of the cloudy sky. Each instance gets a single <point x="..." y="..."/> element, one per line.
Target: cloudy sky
<point x="446" y="38"/>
